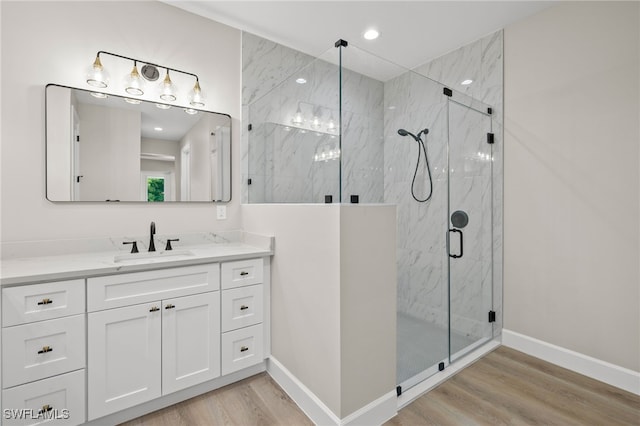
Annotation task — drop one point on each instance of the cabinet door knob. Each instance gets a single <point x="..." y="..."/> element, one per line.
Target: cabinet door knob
<point x="45" y="408"/>
<point x="244" y="349"/>
<point x="243" y="307"/>
<point x="45" y="349"/>
<point x="243" y="273"/>
<point x="45" y="302"/>
<point x="170" y="306"/>
<point x="154" y="309"/>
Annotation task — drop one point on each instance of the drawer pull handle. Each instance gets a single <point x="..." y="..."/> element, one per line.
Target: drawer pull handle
<point x="243" y="273"/>
<point x="243" y="307"/>
<point x="45" y="409"/>
<point x="170" y="306"/>
<point x="154" y="309"/>
<point x="244" y="349"/>
<point x="45" y="302"/>
<point x="45" y="349"/>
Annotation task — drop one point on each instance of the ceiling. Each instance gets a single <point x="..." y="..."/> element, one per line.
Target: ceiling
<point x="411" y="32"/>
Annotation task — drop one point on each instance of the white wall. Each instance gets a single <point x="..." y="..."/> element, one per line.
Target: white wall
<point x="572" y="187"/>
<point x="305" y="291"/>
<point x="333" y="297"/>
<point x="367" y="304"/>
<point x="55" y="42"/>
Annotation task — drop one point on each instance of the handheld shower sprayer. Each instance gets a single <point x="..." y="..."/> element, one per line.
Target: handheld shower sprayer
<point x="403" y="132"/>
<point x="421" y="144"/>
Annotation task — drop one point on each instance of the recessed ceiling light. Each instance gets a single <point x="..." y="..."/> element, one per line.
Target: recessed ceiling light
<point x="371" y="34"/>
<point x="466" y="82"/>
<point x="157" y="129"/>
<point x="301" y="80"/>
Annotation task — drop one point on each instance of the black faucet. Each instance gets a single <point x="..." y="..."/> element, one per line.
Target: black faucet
<point x="152" y="246"/>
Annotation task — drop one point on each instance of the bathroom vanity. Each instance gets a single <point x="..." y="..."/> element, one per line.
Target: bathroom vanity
<point x="104" y="338"/>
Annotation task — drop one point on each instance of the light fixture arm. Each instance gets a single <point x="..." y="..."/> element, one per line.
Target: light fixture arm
<point x="147" y="63"/>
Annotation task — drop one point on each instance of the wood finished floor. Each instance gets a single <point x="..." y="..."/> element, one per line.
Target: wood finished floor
<point x="506" y="387"/>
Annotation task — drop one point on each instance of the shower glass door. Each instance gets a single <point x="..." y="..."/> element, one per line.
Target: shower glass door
<point x="470" y="226"/>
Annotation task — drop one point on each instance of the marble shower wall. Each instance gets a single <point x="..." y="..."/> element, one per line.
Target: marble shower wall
<point x="291" y="162"/>
<point x="422" y="269"/>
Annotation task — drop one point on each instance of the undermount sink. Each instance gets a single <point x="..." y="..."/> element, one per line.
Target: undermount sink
<point x="151" y="257"/>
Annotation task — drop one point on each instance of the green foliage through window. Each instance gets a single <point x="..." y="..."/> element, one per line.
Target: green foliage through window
<point x="155" y="189"/>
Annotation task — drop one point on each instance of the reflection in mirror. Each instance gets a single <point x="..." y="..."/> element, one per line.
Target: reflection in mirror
<point x="112" y="148"/>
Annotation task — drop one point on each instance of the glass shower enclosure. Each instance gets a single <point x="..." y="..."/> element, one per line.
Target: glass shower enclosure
<point x="329" y="133"/>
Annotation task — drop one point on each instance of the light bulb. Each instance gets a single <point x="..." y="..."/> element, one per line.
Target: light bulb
<point x="167" y="89"/>
<point x="97" y="76"/>
<point x="315" y="123"/>
<point x="196" y="97"/>
<point x="297" y="119"/>
<point x="331" y="126"/>
<point x="133" y="82"/>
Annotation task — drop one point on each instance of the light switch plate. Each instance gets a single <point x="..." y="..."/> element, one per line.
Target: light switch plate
<point x="221" y="212"/>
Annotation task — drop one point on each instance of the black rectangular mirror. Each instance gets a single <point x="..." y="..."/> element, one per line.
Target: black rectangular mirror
<point x="112" y="148"/>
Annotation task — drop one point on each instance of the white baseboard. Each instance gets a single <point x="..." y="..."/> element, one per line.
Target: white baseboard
<point x="374" y="413"/>
<point x="603" y="371"/>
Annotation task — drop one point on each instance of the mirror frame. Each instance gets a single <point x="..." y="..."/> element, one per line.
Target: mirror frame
<point x="46" y="156"/>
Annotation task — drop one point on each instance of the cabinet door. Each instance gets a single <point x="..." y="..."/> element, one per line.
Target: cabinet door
<point x="124" y="358"/>
<point x="190" y="340"/>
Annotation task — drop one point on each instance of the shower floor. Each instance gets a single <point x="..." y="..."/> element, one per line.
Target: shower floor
<point x="422" y="344"/>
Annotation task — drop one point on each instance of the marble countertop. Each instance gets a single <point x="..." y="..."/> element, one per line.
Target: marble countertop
<point x="35" y="269"/>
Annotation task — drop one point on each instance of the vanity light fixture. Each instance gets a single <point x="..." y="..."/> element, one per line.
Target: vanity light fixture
<point x="167" y="89"/>
<point x="96" y="75"/>
<point x="315" y="123"/>
<point x="297" y="119"/>
<point x="196" y="97"/>
<point x="134" y="83"/>
<point x="331" y="125"/>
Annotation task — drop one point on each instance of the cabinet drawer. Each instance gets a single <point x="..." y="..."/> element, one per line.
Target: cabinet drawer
<point x="242" y="348"/>
<point x="241" y="273"/>
<point x="34" y="351"/>
<point x="39" y="302"/>
<point x="61" y="398"/>
<point x="115" y="291"/>
<point x="241" y="307"/>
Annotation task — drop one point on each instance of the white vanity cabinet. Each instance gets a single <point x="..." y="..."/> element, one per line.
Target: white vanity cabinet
<point x="43" y="353"/>
<point x="104" y="349"/>
<point x="140" y="352"/>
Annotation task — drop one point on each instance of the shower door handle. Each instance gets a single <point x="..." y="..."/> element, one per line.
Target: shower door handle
<point x="457" y="256"/>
